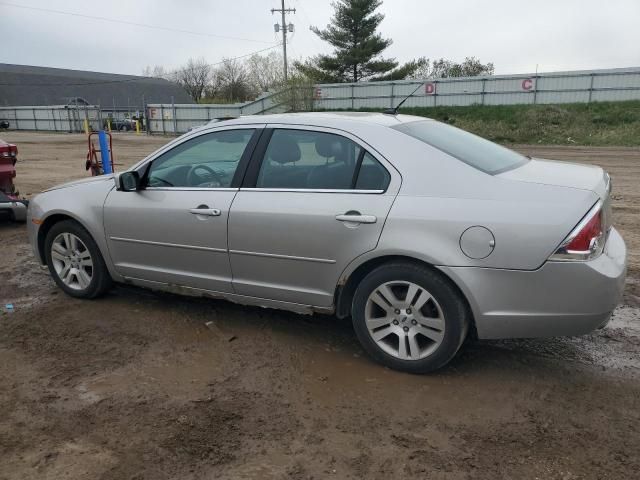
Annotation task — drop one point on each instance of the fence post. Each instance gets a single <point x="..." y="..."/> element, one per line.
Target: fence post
<point x="392" y="94"/>
<point x="86" y="120"/>
<point x="147" y="118"/>
<point x="591" y="87"/>
<point x="535" y="89"/>
<point x="353" y="95"/>
<point x="435" y="93"/>
<point x="35" y="120"/>
<point x="53" y="117"/>
<point x="100" y="126"/>
<point x="484" y="83"/>
<point x="175" y="120"/>
<point x="15" y="116"/>
<point x="69" y="119"/>
<point x="162" y="118"/>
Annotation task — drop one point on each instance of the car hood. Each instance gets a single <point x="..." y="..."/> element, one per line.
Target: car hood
<point x="101" y="178"/>
<point x="561" y="174"/>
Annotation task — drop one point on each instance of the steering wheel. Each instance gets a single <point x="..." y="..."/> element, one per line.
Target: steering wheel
<point x="158" y="179"/>
<point x="194" y="179"/>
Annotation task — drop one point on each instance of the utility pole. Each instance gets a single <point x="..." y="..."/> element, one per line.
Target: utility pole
<point x="285" y="28"/>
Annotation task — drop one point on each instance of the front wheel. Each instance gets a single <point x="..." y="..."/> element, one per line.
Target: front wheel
<point x="409" y="317"/>
<point x="75" y="262"/>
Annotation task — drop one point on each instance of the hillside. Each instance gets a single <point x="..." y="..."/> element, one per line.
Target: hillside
<point x="602" y="123"/>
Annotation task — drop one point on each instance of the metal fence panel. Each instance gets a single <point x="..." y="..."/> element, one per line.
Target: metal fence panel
<point x="546" y="88"/>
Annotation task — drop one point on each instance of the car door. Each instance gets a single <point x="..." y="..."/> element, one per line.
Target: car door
<point x="313" y="200"/>
<point x="174" y="229"/>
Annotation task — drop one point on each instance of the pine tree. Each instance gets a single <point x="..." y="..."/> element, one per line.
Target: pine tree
<point x="358" y="45"/>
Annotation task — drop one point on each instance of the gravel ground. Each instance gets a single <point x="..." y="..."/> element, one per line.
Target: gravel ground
<point x="140" y="385"/>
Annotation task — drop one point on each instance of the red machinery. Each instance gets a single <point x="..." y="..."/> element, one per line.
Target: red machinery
<point x="92" y="162"/>
<point x="10" y="203"/>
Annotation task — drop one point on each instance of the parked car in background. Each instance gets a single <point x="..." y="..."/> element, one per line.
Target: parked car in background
<point x="124" y="124"/>
<point x="4" y="124"/>
<point x="12" y="207"/>
<point x="419" y="231"/>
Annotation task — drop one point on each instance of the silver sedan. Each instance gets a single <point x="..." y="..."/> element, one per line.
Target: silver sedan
<point x="420" y="232"/>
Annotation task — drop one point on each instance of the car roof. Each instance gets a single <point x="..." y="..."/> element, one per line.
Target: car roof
<point x="325" y="119"/>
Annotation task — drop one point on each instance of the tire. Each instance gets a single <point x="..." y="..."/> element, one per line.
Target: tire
<point x="418" y="334"/>
<point x="88" y="281"/>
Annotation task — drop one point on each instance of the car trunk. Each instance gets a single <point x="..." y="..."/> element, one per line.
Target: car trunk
<point x="567" y="174"/>
<point x="562" y="174"/>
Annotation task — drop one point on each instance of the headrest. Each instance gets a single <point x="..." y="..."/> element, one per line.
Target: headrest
<point x="283" y="149"/>
<point x="329" y="146"/>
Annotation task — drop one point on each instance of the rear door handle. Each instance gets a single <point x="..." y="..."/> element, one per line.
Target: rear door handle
<point x="210" y="212"/>
<point x="356" y="218"/>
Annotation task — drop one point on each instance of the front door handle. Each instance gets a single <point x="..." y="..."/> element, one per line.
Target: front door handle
<point x="204" y="210"/>
<point x="356" y="218"/>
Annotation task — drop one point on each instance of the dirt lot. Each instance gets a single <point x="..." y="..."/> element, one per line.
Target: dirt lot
<point x="137" y="386"/>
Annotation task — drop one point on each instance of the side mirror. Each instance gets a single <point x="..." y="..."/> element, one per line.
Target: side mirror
<point x="128" y="181"/>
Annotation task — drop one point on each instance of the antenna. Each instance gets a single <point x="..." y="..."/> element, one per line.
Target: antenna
<point x="394" y="110"/>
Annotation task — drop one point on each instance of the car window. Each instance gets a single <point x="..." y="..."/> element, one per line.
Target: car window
<point x="476" y="151"/>
<point x="303" y="159"/>
<point x="372" y="175"/>
<point x="206" y="161"/>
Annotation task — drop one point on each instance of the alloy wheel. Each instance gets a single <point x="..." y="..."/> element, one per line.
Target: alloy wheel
<point x="72" y="261"/>
<point x="404" y="320"/>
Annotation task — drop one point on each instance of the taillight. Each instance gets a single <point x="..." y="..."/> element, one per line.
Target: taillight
<point x="586" y="241"/>
<point x="8" y="150"/>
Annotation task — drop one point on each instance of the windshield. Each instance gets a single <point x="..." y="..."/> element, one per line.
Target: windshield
<point x="467" y="147"/>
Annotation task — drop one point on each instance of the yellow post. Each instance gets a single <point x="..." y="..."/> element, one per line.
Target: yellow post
<point x="138" y="127"/>
<point x="86" y="126"/>
<point x="109" y="124"/>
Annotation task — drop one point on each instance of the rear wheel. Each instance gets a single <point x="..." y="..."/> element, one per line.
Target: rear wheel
<point x="75" y="262"/>
<point x="409" y="317"/>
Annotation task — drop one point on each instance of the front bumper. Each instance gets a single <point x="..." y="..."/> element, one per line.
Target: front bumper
<point x="33" y="227"/>
<point x="558" y="299"/>
<point x="15" y="210"/>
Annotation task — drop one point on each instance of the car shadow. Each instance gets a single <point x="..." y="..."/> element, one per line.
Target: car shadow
<point x="545" y="356"/>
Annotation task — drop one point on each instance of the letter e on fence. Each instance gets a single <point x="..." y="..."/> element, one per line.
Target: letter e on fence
<point x="317" y="93"/>
<point x="430" y="88"/>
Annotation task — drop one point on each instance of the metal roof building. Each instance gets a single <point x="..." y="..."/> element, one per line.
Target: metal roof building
<point x="24" y="85"/>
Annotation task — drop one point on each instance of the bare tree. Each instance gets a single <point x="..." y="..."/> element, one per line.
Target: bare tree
<point x="194" y="77"/>
<point x="265" y="72"/>
<point x="470" y="67"/>
<point x="234" y="80"/>
<point x="157" y="71"/>
<point x="213" y="90"/>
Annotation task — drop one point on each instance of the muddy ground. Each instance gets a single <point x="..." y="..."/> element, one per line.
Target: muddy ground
<point x="137" y="386"/>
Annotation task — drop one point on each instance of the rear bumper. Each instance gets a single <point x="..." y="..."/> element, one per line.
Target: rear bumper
<point x="558" y="299"/>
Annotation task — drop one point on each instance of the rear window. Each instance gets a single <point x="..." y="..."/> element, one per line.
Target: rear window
<point x="467" y="147"/>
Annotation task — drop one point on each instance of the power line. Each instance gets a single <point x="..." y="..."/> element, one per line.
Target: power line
<point x="135" y="24"/>
<point x="313" y="37"/>
<point x="133" y="78"/>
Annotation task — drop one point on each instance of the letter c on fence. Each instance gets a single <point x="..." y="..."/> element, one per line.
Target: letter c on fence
<point x="527" y="84"/>
<point x="430" y="88"/>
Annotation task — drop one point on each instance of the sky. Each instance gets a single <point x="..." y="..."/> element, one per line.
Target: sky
<point x="518" y="36"/>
